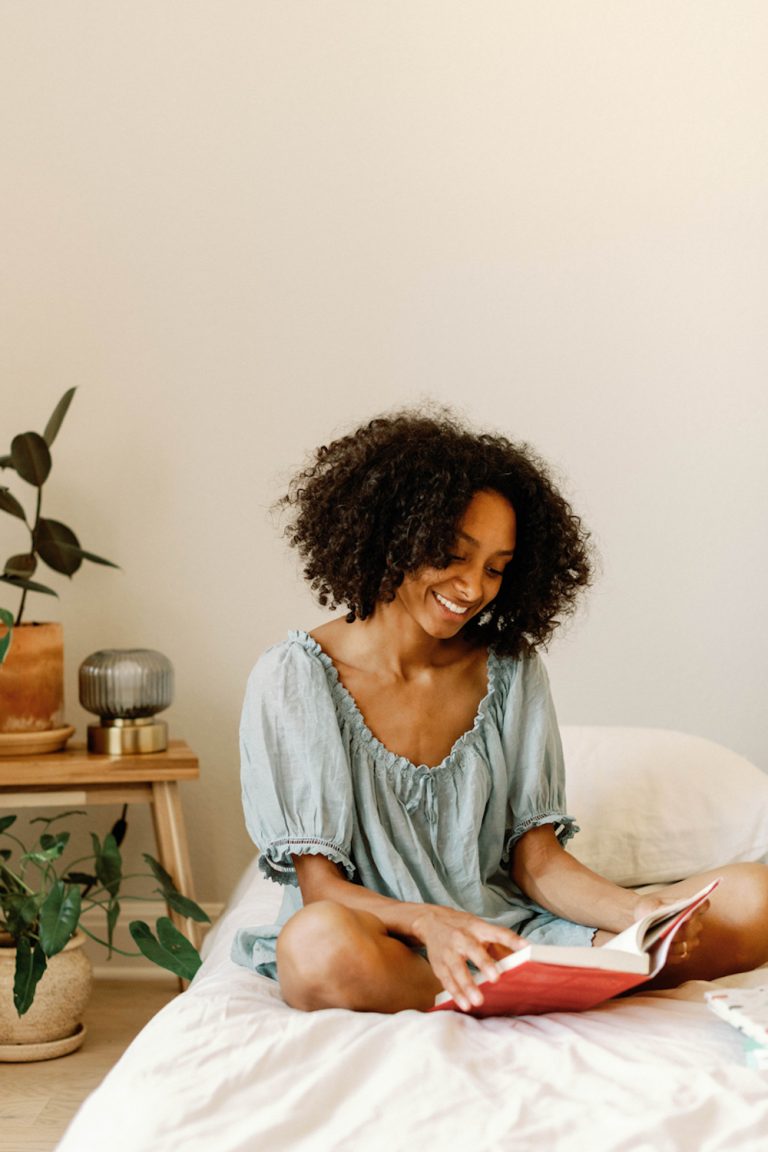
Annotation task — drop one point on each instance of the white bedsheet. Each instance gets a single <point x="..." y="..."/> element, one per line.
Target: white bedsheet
<point x="228" y="1067"/>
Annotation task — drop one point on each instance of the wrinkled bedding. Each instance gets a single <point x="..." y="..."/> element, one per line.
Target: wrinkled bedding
<point x="228" y="1067"/>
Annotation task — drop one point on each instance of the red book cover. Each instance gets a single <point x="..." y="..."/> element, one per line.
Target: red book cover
<point x="549" y="978"/>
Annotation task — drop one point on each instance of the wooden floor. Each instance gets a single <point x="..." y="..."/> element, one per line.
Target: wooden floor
<point x="38" y="1100"/>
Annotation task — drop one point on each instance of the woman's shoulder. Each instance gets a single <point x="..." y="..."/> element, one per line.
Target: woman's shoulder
<point x="517" y="676"/>
<point x="297" y="656"/>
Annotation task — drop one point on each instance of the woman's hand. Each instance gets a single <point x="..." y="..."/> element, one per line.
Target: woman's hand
<point x="687" y="936"/>
<point x="453" y="938"/>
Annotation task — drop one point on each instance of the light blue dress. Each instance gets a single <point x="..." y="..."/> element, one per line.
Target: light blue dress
<point x="316" y="780"/>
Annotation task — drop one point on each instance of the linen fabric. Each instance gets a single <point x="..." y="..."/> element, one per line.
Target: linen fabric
<point x="316" y="780"/>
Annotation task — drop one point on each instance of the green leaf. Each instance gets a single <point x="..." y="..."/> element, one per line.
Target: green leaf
<point x="173" y="897"/>
<point x="5" y="644"/>
<point x="58" y="546"/>
<point x="53" y="846"/>
<point x="23" y="564"/>
<point x="59" y="412"/>
<point x="11" y="882"/>
<point x="186" y="907"/>
<point x="94" y="559"/>
<point x="108" y="863"/>
<point x="9" y="503"/>
<point x="113" y="915"/>
<point x="59" y="917"/>
<point x="83" y="878"/>
<point x="31" y="458"/>
<point x="38" y="856"/>
<point x="30" y="585"/>
<point x="21" y="912"/>
<point x="30" y="966"/>
<point x="120" y="826"/>
<point x="6" y="821"/>
<point x="172" y="951"/>
<point x="160" y="873"/>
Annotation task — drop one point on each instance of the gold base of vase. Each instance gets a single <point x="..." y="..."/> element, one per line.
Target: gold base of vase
<point x="128" y="737"/>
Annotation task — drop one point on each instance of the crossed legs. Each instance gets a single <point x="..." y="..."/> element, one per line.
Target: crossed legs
<point x="330" y="956"/>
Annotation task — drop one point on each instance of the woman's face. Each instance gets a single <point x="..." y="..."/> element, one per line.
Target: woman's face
<point x="442" y="600"/>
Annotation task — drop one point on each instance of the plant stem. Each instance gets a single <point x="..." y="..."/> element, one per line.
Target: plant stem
<point x="104" y="943"/>
<point x="32" y="532"/>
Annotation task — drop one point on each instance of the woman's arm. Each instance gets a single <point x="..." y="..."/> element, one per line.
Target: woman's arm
<point x="320" y="879"/>
<point x="546" y="873"/>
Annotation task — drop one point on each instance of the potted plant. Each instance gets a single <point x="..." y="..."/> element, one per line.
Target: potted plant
<point x="42" y="902"/>
<point x="31" y="654"/>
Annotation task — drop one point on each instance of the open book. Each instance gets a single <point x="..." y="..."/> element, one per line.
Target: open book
<point x="551" y="978"/>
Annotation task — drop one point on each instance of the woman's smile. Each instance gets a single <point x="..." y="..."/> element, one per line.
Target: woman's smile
<point x="455" y="609"/>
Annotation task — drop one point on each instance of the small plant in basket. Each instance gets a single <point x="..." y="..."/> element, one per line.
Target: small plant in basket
<point x="42" y="902"/>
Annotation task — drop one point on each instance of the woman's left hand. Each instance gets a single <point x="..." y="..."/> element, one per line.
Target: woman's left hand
<point x="688" y="935"/>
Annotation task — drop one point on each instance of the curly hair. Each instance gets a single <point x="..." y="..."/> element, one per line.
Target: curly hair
<point x="386" y="501"/>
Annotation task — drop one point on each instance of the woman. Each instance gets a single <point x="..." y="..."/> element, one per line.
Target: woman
<point x="402" y="769"/>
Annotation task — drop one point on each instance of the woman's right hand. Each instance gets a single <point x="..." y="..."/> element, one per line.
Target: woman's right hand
<point x="452" y="939"/>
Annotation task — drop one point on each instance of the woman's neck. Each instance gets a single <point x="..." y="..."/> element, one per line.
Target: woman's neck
<point x="391" y="640"/>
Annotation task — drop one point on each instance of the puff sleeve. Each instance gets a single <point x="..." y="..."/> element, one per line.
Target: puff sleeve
<point x="534" y="757"/>
<point x="295" y="773"/>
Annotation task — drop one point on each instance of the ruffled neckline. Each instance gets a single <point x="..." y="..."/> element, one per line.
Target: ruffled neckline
<point x="347" y="708"/>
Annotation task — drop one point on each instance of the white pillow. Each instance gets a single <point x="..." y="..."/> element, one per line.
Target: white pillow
<point x="656" y="806"/>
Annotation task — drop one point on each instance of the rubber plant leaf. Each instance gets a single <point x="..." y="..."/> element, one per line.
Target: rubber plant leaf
<point x="58" y="546"/>
<point x="30" y="585"/>
<point x="9" y="503"/>
<point x="23" y="565"/>
<point x="172" y="950"/>
<point x="30" y="966"/>
<point x="59" y="917"/>
<point x="31" y="458"/>
<point x="94" y="559"/>
<point x="59" y="412"/>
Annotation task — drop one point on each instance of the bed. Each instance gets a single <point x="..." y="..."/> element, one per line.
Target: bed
<point x="228" y="1067"/>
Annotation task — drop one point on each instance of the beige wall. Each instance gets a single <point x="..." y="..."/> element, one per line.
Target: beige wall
<point x="239" y="227"/>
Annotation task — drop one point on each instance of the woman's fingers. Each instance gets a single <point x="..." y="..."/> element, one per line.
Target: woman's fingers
<point x="478" y="949"/>
<point x="688" y="936"/>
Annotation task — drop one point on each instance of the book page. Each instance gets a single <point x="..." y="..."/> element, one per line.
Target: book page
<point x="648" y="933"/>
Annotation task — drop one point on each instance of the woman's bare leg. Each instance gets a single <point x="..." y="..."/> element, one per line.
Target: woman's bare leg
<point x="329" y="956"/>
<point x="734" y="936"/>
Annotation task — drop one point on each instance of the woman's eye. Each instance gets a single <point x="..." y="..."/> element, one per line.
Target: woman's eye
<point x="495" y="572"/>
<point x="456" y="559"/>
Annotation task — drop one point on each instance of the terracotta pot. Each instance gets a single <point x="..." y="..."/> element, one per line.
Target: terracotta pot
<point x="60" y="998"/>
<point x="32" y="679"/>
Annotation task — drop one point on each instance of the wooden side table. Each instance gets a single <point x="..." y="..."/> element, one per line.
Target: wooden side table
<point x="77" y="777"/>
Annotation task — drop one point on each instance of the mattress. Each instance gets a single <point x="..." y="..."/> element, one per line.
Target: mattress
<point x="229" y="1067"/>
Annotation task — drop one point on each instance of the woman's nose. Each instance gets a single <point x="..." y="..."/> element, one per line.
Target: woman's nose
<point x="470" y="583"/>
